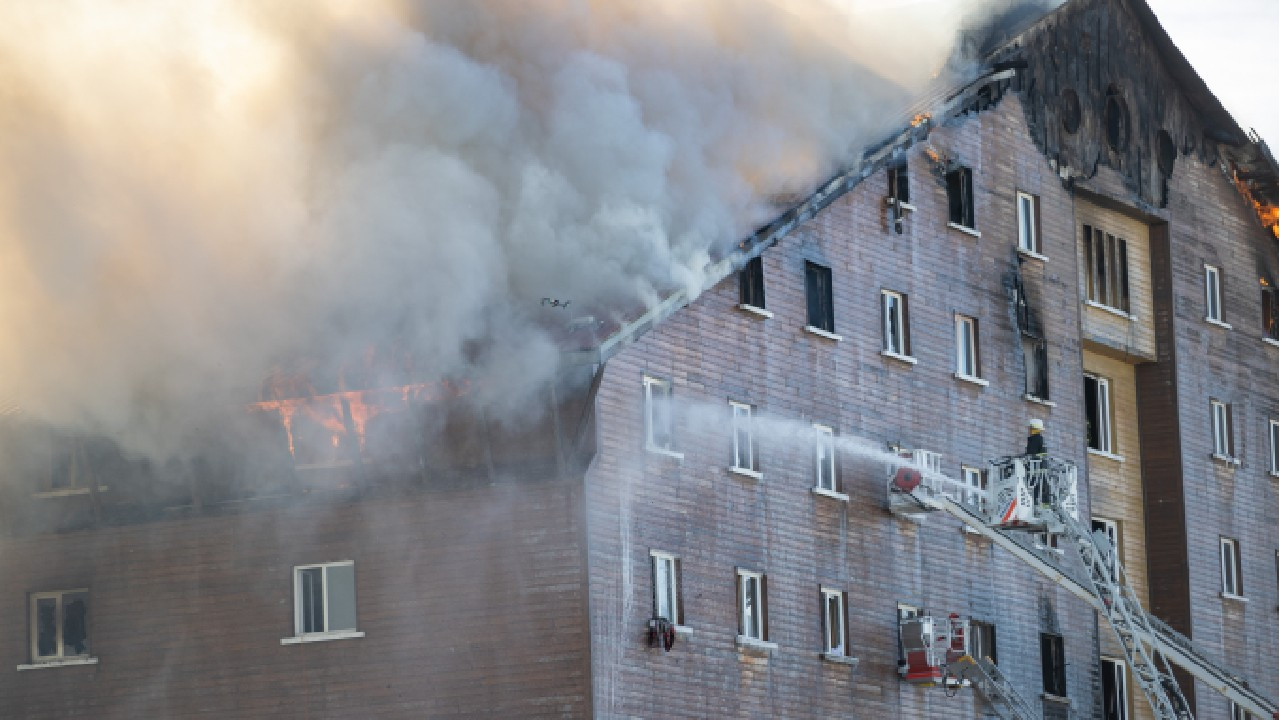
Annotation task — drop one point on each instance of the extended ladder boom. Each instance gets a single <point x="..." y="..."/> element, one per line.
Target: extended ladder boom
<point x="986" y="678"/>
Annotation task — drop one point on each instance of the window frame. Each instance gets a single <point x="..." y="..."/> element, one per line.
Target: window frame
<point x="1120" y="678"/>
<point x="1273" y="446"/>
<point x="1239" y="713"/>
<point x="1213" y="309"/>
<point x="1104" y="410"/>
<point x="759" y="632"/>
<point x="751" y="284"/>
<point x="961" y="211"/>
<point x="1040" y="348"/>
<point x="61" y="657"/>
<point x="1028" y="217"/>
<point x="975" y="494"/>
<point x="1221" y="428"/>
<point x="889" y="313"/>
<point x="967" y="329"/>
<point x="328" y="632"/>
<point x="1229" y="564"/>
<point x="651" y="408"/>
<point x="674" y="595"/>
<point x="742" y="421"/>
<point x="1270" y="310"/>
<point x="824" y="438"/>
<point x="827" y="596"/>
<point x="974" y="648"/>
<point x="1054" y="662"/>
<point x="1111" y="529"/>
<point x="819" y="297"/>
<point x="1107" y="282"/>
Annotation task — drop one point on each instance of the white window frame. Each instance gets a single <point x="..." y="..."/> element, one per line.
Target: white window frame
<point x="832" y="596"/>
<point x="892" y="313"/>
<point x="1105" y="435"/>
<point x="1239" y="713"/>
<point x="1222" y="440"/>
<point x="972" y="646"/>
<point x="327" y="634"/>
<point x="967" y="357"/>
<point x="1121" y="676"/>
<point x="1273" y="446"/>
<point x="751" y="584"/>
<point x="650" y="408"/>
<point x="666" y="586"/>
<point x="975" y="487"/>
<point x="824" y="458"/>
<point x="1213" y="295"/>
<point x="1229" y="560"/>
<point x="1028" y="239"/>
<point x="1111" y="529"/>
<point x="59" y="657"/>
<point x="744" y="448"/>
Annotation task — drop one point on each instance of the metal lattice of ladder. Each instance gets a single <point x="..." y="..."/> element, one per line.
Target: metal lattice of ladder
<point x="992" y="684"/>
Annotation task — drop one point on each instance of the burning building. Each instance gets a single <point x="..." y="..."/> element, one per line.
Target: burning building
<point x="702" y="511"/>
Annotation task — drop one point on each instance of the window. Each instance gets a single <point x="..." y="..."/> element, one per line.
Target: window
<point x="1106" y="260"/>
<point x="751" y="282"/>
<point x="1270" y="310"/>
<point x="817" y="287"/>
<point x="1273" y="436"/>
<point x="960" y="197"/>
<point x="1097" y="405"/>
<point x="1222" y="440"/>
<point x="1029" y="222"/>
<point x="666" y="587"/>
<point x="1035" y="355"/>
<point x="825" y="458"/>
<point x="59" y="626"/>
<point x="893" y="312"/>
<point x="1111" y="531"/>
<point x="1239" y="713"/>
<point x="657" y="414"/>
<point x="1232" y="583"/>
<point x="1053" y="666"/>
<point x="899" y="187"/>
<point x="835" y="633"/>
<point x="967" y="347"/>
<point x="1115" y="690"/>
<point x="1212" y="294"/>
<point x="753" y="622"/>
<point x="324" y="599"/>
<point x="982" y="640"/>
<point x="975" y="483"/>
<point x="744" y="444"/>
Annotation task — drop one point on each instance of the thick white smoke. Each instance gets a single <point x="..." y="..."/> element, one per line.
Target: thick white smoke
<point x="192" y="193"/>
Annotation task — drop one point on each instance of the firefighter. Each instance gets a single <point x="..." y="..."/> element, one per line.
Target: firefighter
<point x="1035" y="440"/>
<point x="1035" y="453"/>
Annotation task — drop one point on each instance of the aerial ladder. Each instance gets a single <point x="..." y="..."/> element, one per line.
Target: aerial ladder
<point x="1029" y="495"/>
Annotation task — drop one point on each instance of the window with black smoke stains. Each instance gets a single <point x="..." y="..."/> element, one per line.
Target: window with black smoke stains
<point x="960" y="197"/>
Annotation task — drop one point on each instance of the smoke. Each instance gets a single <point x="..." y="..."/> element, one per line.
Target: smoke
<point x="194" y="194"/>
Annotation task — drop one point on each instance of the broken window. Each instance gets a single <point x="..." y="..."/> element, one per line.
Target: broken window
<point x="657" y="414"/>
<point x="324" y="598"/>
<point x="960" y="197"/>
<point x="1053" y="666"/>
<point x="982" y="640"/>
<point x="967" y="347"/>
<point x="666" y="587"/>
<point x="1106" y="268"/>
<point x="817" y="286"/>
<point x="835" y="634"/>
<point x="744" y="450"/>
<point x="1111" y="531"/>
<point x="753" y="622"/>
<point x="1232" y="583"/>
<point x="899" y="187"/>
<point x="59" y="625"/>
<point x="1035" y="354"/>
<point x="1223" y="443"/>
<point x="751" y="281"/>
<point x="1115" y="690"/>
<point x="894" y="319"/>
<point x="1029" y="222"/>
<point x="1213" y="294"/>
<point x="1097" y="403"/>
<point x="825" y="458"/>
<point x="1270" y="310"/>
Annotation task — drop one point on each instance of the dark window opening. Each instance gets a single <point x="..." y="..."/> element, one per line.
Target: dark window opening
<point x="1053" y="667"/>
<point x="1270" y="309"/>
<point x="1035" y="352"/>
<point x="1070" y="110"/>
<point x="1166" y="152"/>
<point x="982" y="641"/>
<point x="751" y="281"/>
<point x="1115" y="701"/>
<point x="312" y="602"/>
<point x="899" y="187"/>
<point x="1106" y="268"/>
<point x="1116" y="121"/>
<point x="817" y="286"/>
<point x="960" y="196"/>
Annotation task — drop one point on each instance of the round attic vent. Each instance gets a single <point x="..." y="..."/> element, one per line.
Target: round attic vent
<point x="1115" y="120"/>
<point x="1070" y="110"/>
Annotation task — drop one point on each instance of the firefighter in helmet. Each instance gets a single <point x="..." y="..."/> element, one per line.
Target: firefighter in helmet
<point x="1035" y="453"/>
<point x="1035" y="440"/>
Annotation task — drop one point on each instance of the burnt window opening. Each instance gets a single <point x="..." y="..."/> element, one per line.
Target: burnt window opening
<point x="1036" y="353"/>
<point x="1053" y="666"/>
<point x="960" y="197"/>
<point x="1115" y="692"/>
<point x="1106" y="268"/>
<point x="1270" y="309"/>
<point x="1070" y="110"/>
<point x="899" y="185"/>
<point x="817" y="288"/>
<point x="1115" y="120"/>
<point x="751" y="283"/>
<point x="1166" y="152"/>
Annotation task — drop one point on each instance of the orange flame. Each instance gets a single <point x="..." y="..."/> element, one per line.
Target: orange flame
<point x="920" y="119"/>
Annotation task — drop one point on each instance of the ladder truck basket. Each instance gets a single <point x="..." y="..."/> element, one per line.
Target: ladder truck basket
<point x="1024" y="489"/>
<point x="929" y="643"/>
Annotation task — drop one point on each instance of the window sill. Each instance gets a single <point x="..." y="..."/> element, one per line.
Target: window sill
<point x="70" y="492"/>
<point x="822" y="333"/>
<point x="906" y="207"/>
<point x="755" y="310"/>
<point x="1032" y="254"/>
<point x="684" y="631"/>
<point x="1032" y="398"/>
<point x="852" y="662"/>
<point x="1108" y="309"/>
<point x="1055" y="698"/>
<point x="1219" y="323"/>
<point x="972" y="379"/>
<point x="965" y="230"/>
<point x="1107" y="455"/>
<point x="1225" y="460"/>
<point x="322" y="637"/>
<point x="976" y="533"/>
<point x="830" y="494"/>
<point x="664" y="452"/>
<point x="64" y="662"/>
<point x="751" y="644"/>
<point x="744" y="472"/>
<point x="900" y="358"/>
<point x="1271" y="341"/>
<point x="1230" y="596"/>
